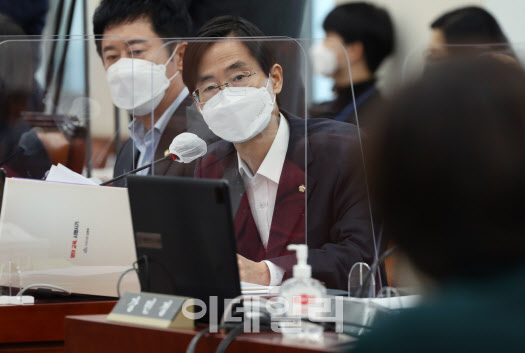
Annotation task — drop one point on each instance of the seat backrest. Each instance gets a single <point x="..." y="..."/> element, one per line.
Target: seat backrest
<point x="63" y="136"/>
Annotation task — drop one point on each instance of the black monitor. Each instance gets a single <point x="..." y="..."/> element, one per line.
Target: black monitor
<point x="184" y="237"/>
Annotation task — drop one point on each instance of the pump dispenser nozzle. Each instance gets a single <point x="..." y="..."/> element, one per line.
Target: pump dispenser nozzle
<point x="302" y="269"/>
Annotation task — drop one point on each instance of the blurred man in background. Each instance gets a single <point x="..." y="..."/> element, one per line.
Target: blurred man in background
<point x="364" y="34"/>
<point x="133" y="50"/>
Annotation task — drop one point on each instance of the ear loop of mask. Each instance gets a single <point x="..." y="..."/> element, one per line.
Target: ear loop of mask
<point x="274" y="95"/>
<point x="169" y="59"/>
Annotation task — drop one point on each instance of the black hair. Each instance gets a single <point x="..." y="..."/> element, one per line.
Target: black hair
<point x="222" y="27"/>
<point x="169" y="18"/>
<point x="447" y="169"/>
<point x="365" y="23"/>
<point x="470" y="25"/>
<point x="8" y="27"/>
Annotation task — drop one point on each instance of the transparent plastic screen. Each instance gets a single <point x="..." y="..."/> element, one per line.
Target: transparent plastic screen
<point x="294" y="165"/>
<point x="57" y="98"/>
<point x="422" y="59"/>
<point x="220" y="111"/>
<point x="341" y="113"/>
<point x="59" y="123"/>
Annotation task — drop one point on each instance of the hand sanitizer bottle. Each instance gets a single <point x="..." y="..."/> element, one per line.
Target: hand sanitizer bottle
<point x="303" y="296"/>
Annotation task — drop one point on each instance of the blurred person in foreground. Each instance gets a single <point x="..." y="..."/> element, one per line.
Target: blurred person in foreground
<point x="364" y="34"/>
<point x="276" y="162"/>
<point x="449" y="184"/>
<point x="455" y="31"/>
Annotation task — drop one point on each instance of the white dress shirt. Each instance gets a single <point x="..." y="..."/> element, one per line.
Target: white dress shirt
<point x="146" y="141"/>
<point x="262" y="187"/>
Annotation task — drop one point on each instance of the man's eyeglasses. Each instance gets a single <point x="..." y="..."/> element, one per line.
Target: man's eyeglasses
<point x="207" y="91"/>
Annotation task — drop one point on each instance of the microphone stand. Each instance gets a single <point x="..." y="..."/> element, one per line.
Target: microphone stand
<point x="136" y="170"/>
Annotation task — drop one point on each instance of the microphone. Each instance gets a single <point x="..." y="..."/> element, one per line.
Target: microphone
<point x="29" y="144"/>
<point x="185" y="148"/>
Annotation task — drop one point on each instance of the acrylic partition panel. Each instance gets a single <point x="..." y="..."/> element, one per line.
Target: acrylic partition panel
<point x="422" y="59"/>
<point x="294" y="165"/>
<point x="57" y="117"/>
<point x="341" y="228"/>
<point x="236" y="111"/>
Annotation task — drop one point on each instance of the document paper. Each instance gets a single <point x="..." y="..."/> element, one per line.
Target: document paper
<point x="77" y="237"/>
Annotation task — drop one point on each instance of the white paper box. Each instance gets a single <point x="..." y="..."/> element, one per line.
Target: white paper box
<point x="74" y="236"/>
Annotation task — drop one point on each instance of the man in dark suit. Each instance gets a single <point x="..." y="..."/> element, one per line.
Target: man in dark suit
<point x="135" y="47"/>
<point x="185" y="119"/>
<point x="283" y="177"/>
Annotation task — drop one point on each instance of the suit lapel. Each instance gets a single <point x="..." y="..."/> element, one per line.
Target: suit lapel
<point x="247" y="238"/>
<point x="288" y="222"/>
<point x="135" y="154"/>
<point x="127" y="160"/>
<point x="237" y="189"/>
<point x="222" y="163"/>
<point x="175" y="126"/>
<point x="288" y="216"/>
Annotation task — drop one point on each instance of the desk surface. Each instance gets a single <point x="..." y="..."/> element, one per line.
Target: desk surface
<point x="95" y="334"/>
<point x="44" y="321"/>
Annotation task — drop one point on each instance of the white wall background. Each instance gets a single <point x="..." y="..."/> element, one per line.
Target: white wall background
<point x="511" y="15"/>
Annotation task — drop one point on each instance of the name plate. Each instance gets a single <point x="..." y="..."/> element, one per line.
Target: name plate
<point x="156" y="310"/>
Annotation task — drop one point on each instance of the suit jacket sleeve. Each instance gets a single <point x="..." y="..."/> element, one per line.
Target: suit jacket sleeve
<point x="339" y="225"/>
<point x="349" y="236"/>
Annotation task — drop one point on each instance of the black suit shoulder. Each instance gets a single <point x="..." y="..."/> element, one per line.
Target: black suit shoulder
<point x="342" y="132"/>
<point x="330" y="140"/>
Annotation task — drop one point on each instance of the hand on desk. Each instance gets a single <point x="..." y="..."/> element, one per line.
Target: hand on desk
<point x="253" y="272"/>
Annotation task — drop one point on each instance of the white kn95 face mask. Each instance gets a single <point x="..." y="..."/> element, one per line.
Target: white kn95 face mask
<point x="138" y="85"/>
<point x="324" y="59"/>
<point x="237" y="114"/>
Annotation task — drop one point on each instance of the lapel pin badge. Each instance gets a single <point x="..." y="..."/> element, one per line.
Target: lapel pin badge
<point x="302" y="188"/>
<point x="166" y="153"/>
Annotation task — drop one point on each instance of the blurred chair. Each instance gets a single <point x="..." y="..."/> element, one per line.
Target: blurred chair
<point x="63" y="136"/>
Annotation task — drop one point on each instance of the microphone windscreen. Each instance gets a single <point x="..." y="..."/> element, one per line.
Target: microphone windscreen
<point x="30" y="143"/>
<point x="188" y="147"/>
